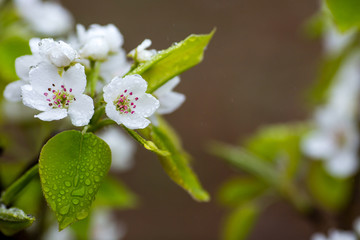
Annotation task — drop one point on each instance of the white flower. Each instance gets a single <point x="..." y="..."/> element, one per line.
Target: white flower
<point x="335" y="235"/>
<point x="46" y="18"/>
<point x="169" y="100"/>
<point x="140" y="54"/>
<point x="335" y="139"/>
<point x="55" y="52"/>
<point x="115" y="65"/>
<point x="105" y="227"/>
<point x="58" y="95"/>
<point x="99" y="41"/>
<point x="122" y="148"/>
<point x="127" y="102"/>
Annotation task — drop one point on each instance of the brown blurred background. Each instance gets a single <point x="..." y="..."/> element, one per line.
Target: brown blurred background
<point x="255" y="72"/>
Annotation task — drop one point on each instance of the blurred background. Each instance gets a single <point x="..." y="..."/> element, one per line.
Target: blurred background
<point x="256" y="71"/>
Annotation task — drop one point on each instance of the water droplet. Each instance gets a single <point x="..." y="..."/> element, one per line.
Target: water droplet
<point x="68" y="183"/>
<point x="90" y="191"/>
<point x="91" y="167"/>
<point x="76" y="180"/>
<point x="62" y="192"/>
<point x="78" y="192"/>
<point x="46" y="189"/>
<point x="75" y="201"/>
<point x="96" y="162"/>
<point x="64" y="210"/>
<point x="87" y="182"/>
<point x="97" y="179"/>
<point x="81" y="215"/>
<point x="55" y="187"/>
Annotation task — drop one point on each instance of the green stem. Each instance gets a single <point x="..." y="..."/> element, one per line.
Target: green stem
<point x="100" y="124"/>
<point x="9" y="195"/>
<point x="94" y="76"/>
<point x="149" y="145"/>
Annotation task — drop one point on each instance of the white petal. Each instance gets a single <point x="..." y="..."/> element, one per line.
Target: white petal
<point x="81" y="110"/>
<point x="43" y="76"/>
<point x="53" y="114"/>
<point x="170" y="102"/>
<point x="114" y="38"/>
<point x="343" y="165"/>
<point x="116" y="65"/>
<point x="319" y="145"/>
<point x="318" y="236"/>
<point x="134" y="121"/>
<point x="34" y="45"/>
<point x="12" y="91"/>
<point x="146" y="105"/>
<point x="122" y="148"/>
<point x="96" y="49"/>
<point x="112" y="113"/>
<point x="33" y="99"/>
<point x="75" y="79"/>
<point x="168" y="86"/>
<point x="23" y="65"/>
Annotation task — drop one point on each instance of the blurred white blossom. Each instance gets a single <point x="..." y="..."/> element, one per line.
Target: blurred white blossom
<point x="335" y="138"/>
<point x="128" y="103"/>
<point x="47" y="18"/>
<point x="105" y="227"/>
<point x="122" y="148"/>
<point x="115" y="65"/>
<point x="335" y="235"/>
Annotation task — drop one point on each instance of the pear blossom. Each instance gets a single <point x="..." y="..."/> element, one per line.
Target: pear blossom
<point x="57" y="53"/>
<point x="335" y="138"/>
<point x="141" y="54"/>
<point x="115" y="65"/>
<point x="122" y="148"/>
<point x="104" y="226"/>
<point x="98" y="42"/>
<point x="46" y="18"/>
<point x="335" y="235"/>
<point x="169" y="100"/>
<point x="127" y="102"/>
<point x="58" y="95"/>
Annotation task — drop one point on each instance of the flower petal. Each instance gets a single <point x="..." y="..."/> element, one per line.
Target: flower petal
<point x="146" y="105"/>
<point x="33" y="99"/>
<point x="134" y="121"/>
<point x="43" y="76"/>
<point x="23" y="65"/>
<point x="12" y="91"/>
<point x="134" y="83"/>
<point x="343" y="165"/>
<point x="170" y="102"/>
<point x="53" y="114"/>
<point x="81" y="110"/>
<point x="75" y="79"/>
<point x="168" y="86"/>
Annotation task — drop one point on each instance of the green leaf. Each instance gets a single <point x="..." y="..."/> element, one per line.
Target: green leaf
<point x="345" y="13"/>
<point x="114" y="194"/>
<point x="240" y="190"/>
<point x="240" y="222"/>
<point x="331" y="193"/>
<point x="177" y="164"/>
<point x="173" y="61"/>
<point x="279" y="144"/>
<point x="149" y="145"/>
<point x="13" y="220"/>
<point x="72" y="167"/>
<point x="329" y="67"/>
<point x="247" y="161"/>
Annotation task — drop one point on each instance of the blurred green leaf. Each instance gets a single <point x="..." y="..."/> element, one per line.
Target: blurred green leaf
<point x="314" y="26"/>
<point x="10" y="49"/>
<point x="176" y="165"/>
<point x="240" y="190"/>
<point x="72" y="167"/>
<point x="173" y="61"/>
<point x="345" y="13"/>
<point x="81" y="229"/>
<point x="30" y="198"/>
<point x="13" y="220"/>
<point x="113" y="193"/>
<point x="246" y="161"/>
<point x="240" y="222"/>
<point x="279" y="144"/>
<point x="330" y="192"/>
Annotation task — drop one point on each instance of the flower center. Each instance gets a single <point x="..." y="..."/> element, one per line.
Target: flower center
<point x="59" y="98"/>
<point x="125" y="103"/>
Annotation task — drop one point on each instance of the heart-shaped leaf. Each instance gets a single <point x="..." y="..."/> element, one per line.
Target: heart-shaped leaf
<point x="72" y="166"/>
<point x="13" y="220"/>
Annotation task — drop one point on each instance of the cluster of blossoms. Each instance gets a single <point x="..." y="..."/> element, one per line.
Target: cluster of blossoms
<point x="335" y="139"/>
<point x="53" y="79"/>
<point x="335" y="234"/>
